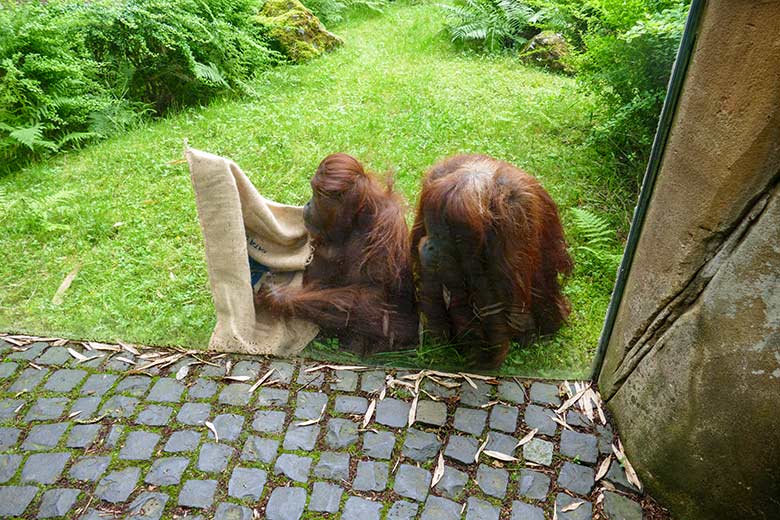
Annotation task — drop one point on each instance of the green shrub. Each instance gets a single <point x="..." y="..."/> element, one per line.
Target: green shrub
<point x="74" y="71"/>
<point x="333" y="11"/>
<point x="491" y="24"/>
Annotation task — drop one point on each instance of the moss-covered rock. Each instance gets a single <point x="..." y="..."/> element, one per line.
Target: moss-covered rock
<point x="548" y="49"/>
<point x="296" y="31"/>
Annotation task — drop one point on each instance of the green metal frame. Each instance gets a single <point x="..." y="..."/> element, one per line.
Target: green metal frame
<point x="679" y="71"/>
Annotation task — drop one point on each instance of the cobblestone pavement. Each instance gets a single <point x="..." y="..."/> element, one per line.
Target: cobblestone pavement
<point x="100" y="431"/>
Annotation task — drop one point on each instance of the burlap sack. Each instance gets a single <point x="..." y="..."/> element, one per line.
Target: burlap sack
<point x="246" y="236"/>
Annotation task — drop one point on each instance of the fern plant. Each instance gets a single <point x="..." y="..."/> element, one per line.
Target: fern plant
<point x="597" y="250"/>
<point x="493" y="24"/>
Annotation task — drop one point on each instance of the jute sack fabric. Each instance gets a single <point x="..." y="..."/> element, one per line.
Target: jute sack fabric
<point x="248" y="237"/>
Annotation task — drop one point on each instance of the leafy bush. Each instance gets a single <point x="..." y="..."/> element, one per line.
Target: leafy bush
<point x="492" y="24"/>
<point x="73" y="71"/>
<point x="598" y="252"/>
<point x="332" y="11"/>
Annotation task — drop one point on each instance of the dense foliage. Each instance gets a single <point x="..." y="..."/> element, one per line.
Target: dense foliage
<point x="72" y="71"/>
<point x="332" y="11"/>
<point x="623" y="54"/>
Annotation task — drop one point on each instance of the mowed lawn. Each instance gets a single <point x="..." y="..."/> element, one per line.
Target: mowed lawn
<point x="398" y="96"/>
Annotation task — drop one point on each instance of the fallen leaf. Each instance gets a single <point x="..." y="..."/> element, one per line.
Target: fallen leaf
<point x="60" y="294"/>
<point x="446" y="384"/>
<point x="527" y="438"/>
<point x="488" y="405"/>
<point x="36" y="367"/>
<point x="74" y="414"/>
<point x="438" y="473"/>
<point x="500" y="456"/>
<point x="213" y="429"/>
<point x="126" y="360"/>
<point x="314" y="421"/>
<point x="481" y="448"/>
<point x="569" y="402"/>
<point x="261" y="380"/>
<point x="369" y="413"/>
<point x="182" y="372"/>
<point x="603" y="468"/>
<point x="561" y="422"/>
<point x="572" y="506"/>
<point x="413" y="410"/>
<point x="130" y="348"/>
<point x="469" y="381"/>
<point x="78" y="355"/>
<point x="240" y="379"/>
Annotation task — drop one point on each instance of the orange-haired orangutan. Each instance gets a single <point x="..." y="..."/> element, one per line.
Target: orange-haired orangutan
<point x="358" y="286"/>
<point x="487" y="247"/>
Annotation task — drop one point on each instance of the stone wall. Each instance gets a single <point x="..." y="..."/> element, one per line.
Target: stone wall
<point x="692" y="370"/>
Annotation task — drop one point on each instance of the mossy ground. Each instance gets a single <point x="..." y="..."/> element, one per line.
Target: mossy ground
<point x="397" y="95"/>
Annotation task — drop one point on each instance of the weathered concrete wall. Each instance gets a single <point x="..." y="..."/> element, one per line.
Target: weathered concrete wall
<point x="692" y="370"/>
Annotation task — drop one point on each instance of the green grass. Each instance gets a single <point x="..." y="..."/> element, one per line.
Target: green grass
<point x="398" y="96"/>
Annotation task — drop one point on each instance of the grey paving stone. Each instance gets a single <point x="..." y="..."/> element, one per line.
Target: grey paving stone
<point x="167" y="471"/>
<point x="370" y="476"/>
<point x="583" y="512"/>
<point x="197" y="493"/>
<point x="8" y="438"/>
<point x="341" y="433"/>
<point x="533" y="484"/>
<point x="82" y="435"/>
<point x="194" y="413"/>
<point x="462" y="449"/>
<point x="46" y="409"/>
<point x="213" y="371"/>
<point x="420" y="445"/>
<point x="293" y="467"/>
<point x="64" y="380"/>
<point x="148" y="506"/>
<point x="89" y="468"/>
<point x="325" y="498"/>
<point x="272" y="397"/>
<point x="402" y="510"/>
<point x="544" y="393"/>
<point x="581" y="446"/>
<point x="246" y="368"/>
<point x="27" y="381"/>
<point x="119" y="406"/>
<point x="333" y="466"/>
<point x="139" y="445"/>
<point x="114" y="434"/>
<point x="309" y="405"/>
<point x="576" y="478"/>
<point x="412" y="482"/>
<point x="44" y="436"/>
<point x="133" y="385"/>
<point x="268" y="421"/>
<point x="286" y="503"/>
<point x="54" y="356"/>
<point x="539" y="451"/>
<point x="392" y="412"/>
<point x="379" y="444"/>
<point x="228" y="511"/>
<point x="438" y="508"/>
<point x="228" y="426"/>
<point x="431" y="412"/>
<point x="492" y="481"/>
<point x="510" y="391"/>
<point x="476" y="397"/>
<point x="154" y="415"/>
<point x="258" y="449"/>
<point x="86" y="406"/>
<point x="373" y="381"/>
<point x="57" y="502"/>
<point x="541" y="419"/>
<point x="470" y="420"/>
<point x="501" y="443"/>
<point x="282" y="372"/>
<point x="117" y="485"/>
<point x="523" y="511"/>
<point x="350" y="404"/>
<point x="346" y="381"/>
<point x="7" y="369"/>
<point x="202" y="389"/>
<point x="182" y="440"/>
<point x="9" y="407"/>
<point x="617" y="476"/>
<point x="618" y="507"/>
<point x="166" y="390"/>
<point x="236" y="394"/>
<point x="357" y="508"/>
<point x="30" y="352"/>
<point x="118" y="362"/>
<point x="15" y="499"/>
<point x="575" y="418"/>
<point x="8" y="466"/>
<point x="605" y="437"/>
<point x="503" y="418"/>
<point x="310" y="380"/>
<point x="214" y="458"/>
<point x="452" y="483"/>
<point x="477" y="509"/>
<point x="438" y="390"/>
<point x="301" y="437"/>
<point x="247" y="483"/>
